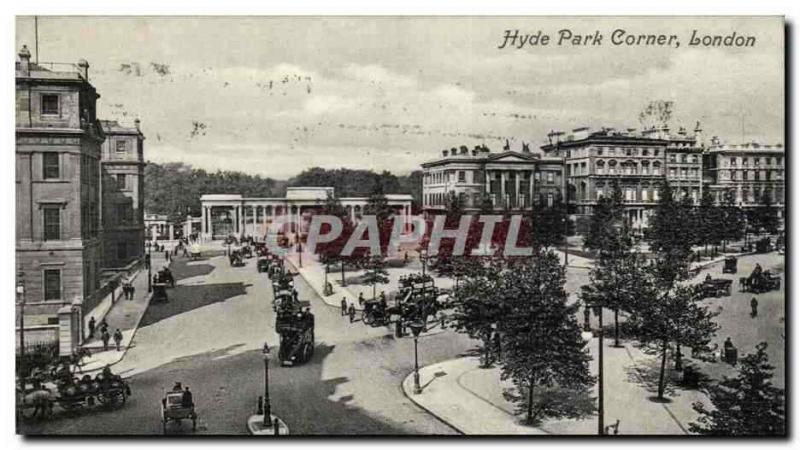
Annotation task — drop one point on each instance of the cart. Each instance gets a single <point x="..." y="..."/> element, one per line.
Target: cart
<point x="172" y="409"/>
<point x="730" y="265"/>
<point x="716" y="287"/>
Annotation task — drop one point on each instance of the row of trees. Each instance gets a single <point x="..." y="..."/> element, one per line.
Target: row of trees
<point x="518" y="309"/>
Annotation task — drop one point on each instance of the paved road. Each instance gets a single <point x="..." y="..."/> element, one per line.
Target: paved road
<point x="209" y="337"/>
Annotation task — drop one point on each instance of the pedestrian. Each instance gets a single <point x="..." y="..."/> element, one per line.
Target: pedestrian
<point x="405" y="257"/>
<point x="91" y="327"/>
<point x="117" y="338"/>
<point x="105" y="337"/>
<point x="132" y="290"/>
<point x="753" y="307"/>
<point x="166" y="255"/>
<point x="361" y="298"/>
<point x="103" y="326"/>
<point x="147" y="261"/>
<point x="351" y="311"/>
<point x="186" y="400"/>
<point x="294" y="294"/>
<point x="344" y="306"/>
<point x="185" y="252"/>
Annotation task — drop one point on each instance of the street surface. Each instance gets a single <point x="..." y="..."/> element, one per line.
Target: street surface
<point x="209" y="337"/>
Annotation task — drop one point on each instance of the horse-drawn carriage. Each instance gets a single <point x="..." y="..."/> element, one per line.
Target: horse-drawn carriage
<point x="376" y="313"/>
<point x="175" y="408"/>
<point x="235" y="258"/>
<point x="760" y="281"/>
<point x="295" y="326"/>
<point x="730" y="265"/>
<point x="165" y="276"/>
<point x="714" y="287"/>
<point x="73" y="394"/>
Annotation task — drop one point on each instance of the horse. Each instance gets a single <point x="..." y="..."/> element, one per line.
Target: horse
<point x="41" y="400"/>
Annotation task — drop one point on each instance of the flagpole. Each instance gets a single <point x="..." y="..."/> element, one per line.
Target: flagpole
<point x="36" y="31"/>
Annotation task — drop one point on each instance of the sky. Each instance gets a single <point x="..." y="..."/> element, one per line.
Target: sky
<point x="276" y="95"/>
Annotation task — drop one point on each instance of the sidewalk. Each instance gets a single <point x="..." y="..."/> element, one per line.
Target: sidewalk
<point x="314" y="274"/>
<point x="125" y="315"/>
<point x="470" y="398"/>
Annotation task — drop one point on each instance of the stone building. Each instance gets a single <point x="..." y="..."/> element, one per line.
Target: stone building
<point x="226" y="215"/>
<point x="122" y="188"/>
<point x="505" y="181"/>
<point x="58" y="238"/>
<point x="749" y="170"/>
<point x="638" y="161"/>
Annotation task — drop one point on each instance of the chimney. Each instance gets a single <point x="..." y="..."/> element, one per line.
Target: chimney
<point x="464" y="150"/>
<point x="698" y="135"/>
<point x="25" y="61"/>
<point x="476" y="150"/>
<point x="83" y="68"/>
<point x="453" y="151"/>
<point x="137" y="123"/>
<point x="444" y="153"/>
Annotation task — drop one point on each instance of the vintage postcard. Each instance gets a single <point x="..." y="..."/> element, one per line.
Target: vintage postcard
<point x="400" y="225"/>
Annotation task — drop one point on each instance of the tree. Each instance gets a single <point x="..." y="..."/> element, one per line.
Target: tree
<point x="710" y="221"/>
<point x="607" y="221"/>
<point x="745" y="405"/>
<point x="541" y="339"/>
<point x="672" y="316"/>
<point x="766" y="214"/>
<point x="378" y="206"/>
<point x="619" y="282"/>
<point x="657" y="113"/>
<point x="550" y="225"/>
<point x="670" y="237"/>
<point x="376" y="273"/>
<point x="733" y="219"/>
<point x="477" y="310"/>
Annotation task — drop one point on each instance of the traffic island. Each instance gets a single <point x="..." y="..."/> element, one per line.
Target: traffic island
<point x="255" y="426"/>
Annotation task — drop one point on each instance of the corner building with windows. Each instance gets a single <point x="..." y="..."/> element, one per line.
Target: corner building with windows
<point x="122" y="163"/>
<point x="509" y="181"/>
<point x="638" y="160"/>
<point x="58" y="238"/>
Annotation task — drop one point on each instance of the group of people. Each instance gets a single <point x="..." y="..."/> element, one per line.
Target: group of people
<point x="350" y="309"/>
<point x="128" y="290"/>
<point x="187" y="401"/>
<point x="105" y="337"/>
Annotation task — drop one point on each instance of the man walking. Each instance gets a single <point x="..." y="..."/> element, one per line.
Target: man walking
<point x="117" y="338"/>
<point x="91" y="327"/>
<point x="131" y="290"/>
<point x="351" y="311"/>
<point x="753" y="307"/>
<point x="344" y="306"/>
<point x="105" y="337"/>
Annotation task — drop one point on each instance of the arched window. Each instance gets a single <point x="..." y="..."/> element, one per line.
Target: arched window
<point x="600" y="167"/>
<point x="657" y="168"/>
<point x="612" y="167"/>
<point x="645" y="167"/>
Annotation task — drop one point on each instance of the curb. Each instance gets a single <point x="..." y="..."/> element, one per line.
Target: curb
<point x="283" y="429"/>
<point x="422" y="407"/>
<point x="319" y="292"/>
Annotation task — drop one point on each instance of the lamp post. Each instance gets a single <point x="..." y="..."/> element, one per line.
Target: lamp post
<point x="267" y="409"/>
<point x="149" y="270"/>
<point x="423" y="255"/>
<point x="300" y="254"/>
<point x="21" y="295"/>
<point x="416" y="329"/>
<point x="598" y="310"/>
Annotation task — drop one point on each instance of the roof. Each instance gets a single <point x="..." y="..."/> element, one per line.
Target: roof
<point x="113" y="127"/>
<point x="750" y="147"/>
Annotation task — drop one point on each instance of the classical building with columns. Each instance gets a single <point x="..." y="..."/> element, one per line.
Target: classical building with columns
<point x="506" y="181"/>
<point x="638" y="160"/>
<point x="224" y="215"/>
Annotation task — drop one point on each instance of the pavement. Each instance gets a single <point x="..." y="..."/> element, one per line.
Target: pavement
<point x="453" y="390"/>
<point x="124" y="315"/>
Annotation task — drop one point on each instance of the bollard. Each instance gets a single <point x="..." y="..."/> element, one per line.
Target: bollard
<point x="260" y="407"/>
<point x="275" y="427"/>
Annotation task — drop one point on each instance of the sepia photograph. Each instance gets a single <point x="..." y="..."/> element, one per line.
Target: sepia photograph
<point x="283" y="226"/>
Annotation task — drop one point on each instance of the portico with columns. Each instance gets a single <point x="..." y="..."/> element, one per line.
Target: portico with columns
<point x="224" y="215"/>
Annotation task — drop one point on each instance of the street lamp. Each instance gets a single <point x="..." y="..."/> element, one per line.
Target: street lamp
<point x="149" y="270"/>
<point x="416" y="329"/>
<point x="267" y="409"/>
<point x="21" y="295"/>
<point x="598" y="310"/>
<point x="423" y="255"/>
<point x="300" y="254"/>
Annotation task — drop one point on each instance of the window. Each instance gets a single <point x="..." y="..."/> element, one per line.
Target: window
<point x="644" y="194"/>
<point x="50" y="104"/>
<point x="756" y="160"/>
<point x="655" y="152"/>
<point x="600" y="151"/>
<point x="671" y="157"/>
<point x="550" y="177"/>
<point x="462" y="176"/>
<point x="550" y="200"/>
<point x="122" y="146"/>
<point x="52" y="284"/>
<point x="52" y="223"/>
<point x="733" y="161"/>
<point x="50" y="167"/>
<point x="120" y="180"/>
<point x="124" y="214"/>
<point x="645" y="152"/>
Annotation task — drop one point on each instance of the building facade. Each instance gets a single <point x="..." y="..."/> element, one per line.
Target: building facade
<point x="638" y="161"/>
<point x="749" y="170"/>
<point x="122" y="163"/>
<point x="226" y="215"/>
<point x="58" y="142"/>
<point x="501" y="182"/>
